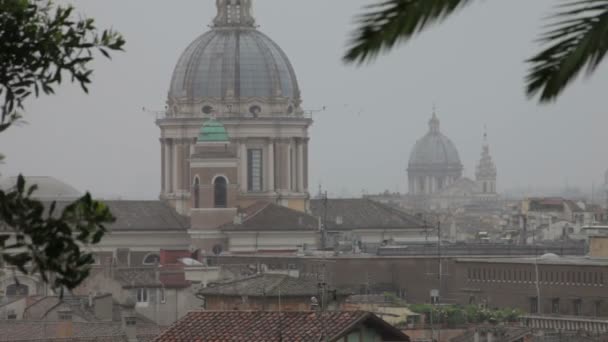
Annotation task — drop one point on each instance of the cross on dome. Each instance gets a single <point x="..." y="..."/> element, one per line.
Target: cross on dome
<point x="232" y="13"/>
<point x="434" y="123"/>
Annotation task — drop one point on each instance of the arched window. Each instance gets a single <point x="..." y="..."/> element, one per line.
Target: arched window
<point x="196" y="193"/>
<point x="151" y="259"/>
<point x="220" y="192"/>
<point x="17" y="290"/>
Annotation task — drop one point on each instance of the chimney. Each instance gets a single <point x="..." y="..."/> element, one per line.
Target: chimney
<point x="103" y="306"/>
<point x="129" y="320"/>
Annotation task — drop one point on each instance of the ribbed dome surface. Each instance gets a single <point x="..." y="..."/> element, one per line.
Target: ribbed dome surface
<point x="434" y="149"/>
<point x="233" y="63"/>
<point x="49" y="188"/>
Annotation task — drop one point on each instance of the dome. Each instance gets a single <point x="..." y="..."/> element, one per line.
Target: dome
<point x="234" y="61"/>
<point x="549" y="256"/>
<point x="49" y="188"/>
<point x="213" y="131"/>
<point x="434" y="149"/>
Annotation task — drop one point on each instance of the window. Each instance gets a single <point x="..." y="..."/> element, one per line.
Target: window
<point x="533" y="305"/>
<point x="220" y="192"/>
<point x="17" y="290"/>
<point x="597" y="308"/>
<point x="163" y="296"/>
<point x="130" y="321"/>
<point x="555" y="305"/>
<point x="254" y="170"/>
<point x="96" y="260"/>
<point x="196" y="193"/>
<point x="577" y="306"/>
<point x="142" y="295"/>
<point x="151" y="259"/>
<point x="64" y="315"/>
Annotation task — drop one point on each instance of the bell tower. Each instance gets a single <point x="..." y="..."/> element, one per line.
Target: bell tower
<point x="486" y="169"/>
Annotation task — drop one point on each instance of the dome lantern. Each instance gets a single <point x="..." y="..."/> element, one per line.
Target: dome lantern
<point x="234" y="13"/>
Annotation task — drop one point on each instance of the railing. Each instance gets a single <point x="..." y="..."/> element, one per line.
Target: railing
<point x="480" y="249"/>
<point x="566" y="323"/>
<point x="299" y="116"/>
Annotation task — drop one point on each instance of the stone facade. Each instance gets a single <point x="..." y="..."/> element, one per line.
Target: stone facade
<point x="259" y="104"/>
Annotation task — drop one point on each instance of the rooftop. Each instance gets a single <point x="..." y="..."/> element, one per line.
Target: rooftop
<point x="258" y="326"/>
<point x="11" y="330"/>
<point x="566" y="260"/>
<point x="267" y="285"/>
<point x="362" y="213"/>
<point x="142" y="216"/>
<point x="265" y="216"/>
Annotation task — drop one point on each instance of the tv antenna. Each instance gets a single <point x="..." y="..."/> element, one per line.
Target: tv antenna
<point x="157" y="113"/>
<point x="311" y="112"/>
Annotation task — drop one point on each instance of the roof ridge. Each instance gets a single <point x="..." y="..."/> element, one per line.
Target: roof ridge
<point x="257" y="212"/>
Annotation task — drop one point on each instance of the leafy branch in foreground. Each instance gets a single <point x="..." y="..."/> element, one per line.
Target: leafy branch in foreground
<point x="577" y="37"/>
<point x="48" y="241"/>
<point x="39" y="43"/>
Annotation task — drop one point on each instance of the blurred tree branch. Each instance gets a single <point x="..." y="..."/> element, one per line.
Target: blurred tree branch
<point x="576" y="37"/>
<point x="41" y="44"/>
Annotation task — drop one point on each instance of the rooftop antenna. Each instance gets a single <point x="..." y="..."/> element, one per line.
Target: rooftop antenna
<point x="156" y="113"/>
<point x="311" y="112"/>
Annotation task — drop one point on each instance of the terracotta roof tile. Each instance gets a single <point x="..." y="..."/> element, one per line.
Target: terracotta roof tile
<point x="258" y="326"/>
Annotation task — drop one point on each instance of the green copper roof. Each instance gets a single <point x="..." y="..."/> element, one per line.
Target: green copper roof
<point x="213" y="130"/>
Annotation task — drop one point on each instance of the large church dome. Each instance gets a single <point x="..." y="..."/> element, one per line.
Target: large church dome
<point x="434" y="149"/>
<point x="235" y="68"/>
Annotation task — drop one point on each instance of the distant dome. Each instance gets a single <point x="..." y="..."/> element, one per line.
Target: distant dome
<point x="234" y="61"/>
<point x="49" y="188"/>
<point x="549" y="256"/>
<point x="434" y="149"/>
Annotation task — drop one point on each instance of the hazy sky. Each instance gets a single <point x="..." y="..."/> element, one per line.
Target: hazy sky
<point x="471" y="67"/>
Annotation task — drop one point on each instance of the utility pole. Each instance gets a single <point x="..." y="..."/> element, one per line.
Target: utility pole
<point x="323" y="226"/>
<point x="439" y="274"/>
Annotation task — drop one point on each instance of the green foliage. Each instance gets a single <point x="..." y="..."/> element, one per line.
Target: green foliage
<point x="39" y="43"/>
<point x="48" y="241"/>
<point x="577" y="37"/>
<point x="454" y="315"/>
<point x="394" y="21"/>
